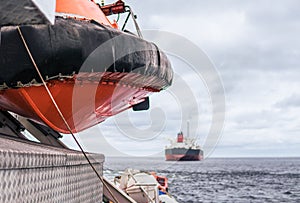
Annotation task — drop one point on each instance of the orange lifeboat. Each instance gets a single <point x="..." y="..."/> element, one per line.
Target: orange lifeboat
<point x="92" y="69"/>
<point x="163" y="183"/>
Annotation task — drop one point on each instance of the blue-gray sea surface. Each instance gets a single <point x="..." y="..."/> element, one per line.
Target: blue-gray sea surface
<point x="221" y="180"/>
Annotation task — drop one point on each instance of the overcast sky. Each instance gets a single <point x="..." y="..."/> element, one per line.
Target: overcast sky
<point x="255" y="47"/>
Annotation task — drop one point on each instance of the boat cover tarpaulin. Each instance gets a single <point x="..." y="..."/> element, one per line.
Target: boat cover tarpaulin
<point x="62" y="49"/>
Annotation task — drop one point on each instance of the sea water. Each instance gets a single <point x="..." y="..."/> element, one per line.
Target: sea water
<point x="221" y="179"/>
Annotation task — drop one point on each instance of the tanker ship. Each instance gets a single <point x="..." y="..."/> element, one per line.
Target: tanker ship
<point x="183" y="149"/>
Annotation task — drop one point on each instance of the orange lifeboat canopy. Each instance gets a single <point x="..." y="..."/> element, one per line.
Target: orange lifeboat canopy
<point x="82" y="9"/>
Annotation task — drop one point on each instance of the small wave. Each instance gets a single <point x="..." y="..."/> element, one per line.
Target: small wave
<point x="288" y="193"/>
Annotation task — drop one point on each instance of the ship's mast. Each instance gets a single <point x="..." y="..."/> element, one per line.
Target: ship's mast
<point x="188" y="128"/>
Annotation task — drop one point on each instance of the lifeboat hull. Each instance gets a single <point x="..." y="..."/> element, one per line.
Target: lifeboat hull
<point x="83" y="103"/>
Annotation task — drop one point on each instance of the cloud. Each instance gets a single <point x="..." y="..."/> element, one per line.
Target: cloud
<point x="256" y="49"/>
<point x="292" y="101"/>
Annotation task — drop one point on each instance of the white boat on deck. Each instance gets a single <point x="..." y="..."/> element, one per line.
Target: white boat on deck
<point x="144" y="187"/>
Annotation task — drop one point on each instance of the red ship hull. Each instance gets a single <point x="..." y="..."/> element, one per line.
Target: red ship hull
<point x="183" y="157"/>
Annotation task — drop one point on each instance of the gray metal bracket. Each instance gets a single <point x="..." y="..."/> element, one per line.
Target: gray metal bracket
<point x="14" y="126"/>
